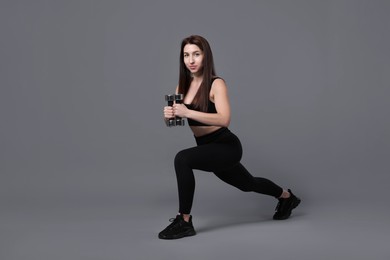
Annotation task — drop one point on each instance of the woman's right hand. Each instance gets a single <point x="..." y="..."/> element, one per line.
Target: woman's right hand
<point x="168" y="112"/>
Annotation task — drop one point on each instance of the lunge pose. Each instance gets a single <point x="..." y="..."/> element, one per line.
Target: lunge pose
<point x="207" y="109"/>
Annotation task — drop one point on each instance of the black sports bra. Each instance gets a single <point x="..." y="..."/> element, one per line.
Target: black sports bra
<point x="210" y="109"/>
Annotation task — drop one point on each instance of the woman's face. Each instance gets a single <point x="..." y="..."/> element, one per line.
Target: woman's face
<point x="193" y="58"/>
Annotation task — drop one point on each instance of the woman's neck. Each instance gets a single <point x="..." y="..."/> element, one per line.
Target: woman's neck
<point x="197" y="79"/>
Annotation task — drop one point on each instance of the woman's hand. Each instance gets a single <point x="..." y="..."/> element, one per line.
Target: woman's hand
<point x="168" y="112"/>
<point x="180" y="110"/>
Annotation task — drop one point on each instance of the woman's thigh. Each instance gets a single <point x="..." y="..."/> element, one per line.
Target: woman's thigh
<point x="210" y="157"/>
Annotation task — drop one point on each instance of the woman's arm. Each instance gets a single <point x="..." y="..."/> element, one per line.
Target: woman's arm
<point x="219" y="95"/>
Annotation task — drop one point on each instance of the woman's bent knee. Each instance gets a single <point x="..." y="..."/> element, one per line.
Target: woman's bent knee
<point x="181" y="158"/>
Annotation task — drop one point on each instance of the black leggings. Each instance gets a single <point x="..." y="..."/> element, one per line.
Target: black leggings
<point x="219" y="152"/>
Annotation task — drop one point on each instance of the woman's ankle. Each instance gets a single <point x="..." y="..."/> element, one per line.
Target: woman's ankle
<point x="285" y="195"/>
<point x="186" y="217"/>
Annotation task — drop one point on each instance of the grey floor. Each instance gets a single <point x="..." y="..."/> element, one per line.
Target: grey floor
<point x="230" y="225"/>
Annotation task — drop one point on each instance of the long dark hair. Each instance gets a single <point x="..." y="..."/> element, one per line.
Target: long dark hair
<point x="202" y="96"/>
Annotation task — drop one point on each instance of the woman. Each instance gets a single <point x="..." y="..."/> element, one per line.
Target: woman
<point x="207" y="109"/>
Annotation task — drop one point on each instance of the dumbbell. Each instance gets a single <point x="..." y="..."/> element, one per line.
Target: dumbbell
<point x="174" y="121"/>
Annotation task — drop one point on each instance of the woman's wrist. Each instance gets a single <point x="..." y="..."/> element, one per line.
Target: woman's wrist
<point x="188" y="114"/>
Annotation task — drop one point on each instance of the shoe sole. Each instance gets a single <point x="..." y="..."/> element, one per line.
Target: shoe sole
<point x="178" y="236"/>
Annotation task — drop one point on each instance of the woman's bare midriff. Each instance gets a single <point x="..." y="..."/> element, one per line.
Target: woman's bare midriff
<point x="203" y="130"/>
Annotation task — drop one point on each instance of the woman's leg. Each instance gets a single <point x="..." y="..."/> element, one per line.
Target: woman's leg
<point x="208" y="157"/>
<point x="240" y="178"/>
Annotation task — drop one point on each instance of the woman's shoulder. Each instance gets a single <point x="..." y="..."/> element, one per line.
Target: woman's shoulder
<point x="218" y="82"/>
<point x="218" y="86"/>
<point x="217" y="78"/>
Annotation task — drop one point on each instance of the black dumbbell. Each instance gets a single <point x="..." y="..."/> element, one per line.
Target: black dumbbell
<point x="178" y="98"/>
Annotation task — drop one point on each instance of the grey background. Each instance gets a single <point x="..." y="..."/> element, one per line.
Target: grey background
<point x="87" y="163"/>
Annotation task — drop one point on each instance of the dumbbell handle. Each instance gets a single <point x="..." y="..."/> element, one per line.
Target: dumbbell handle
<point x="178" y="98"/>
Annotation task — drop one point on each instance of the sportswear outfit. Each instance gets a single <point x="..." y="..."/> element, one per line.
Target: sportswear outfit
<point x="219" y="152"/>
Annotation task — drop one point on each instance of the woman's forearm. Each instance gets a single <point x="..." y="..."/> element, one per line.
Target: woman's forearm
<point x="215" y="119"/>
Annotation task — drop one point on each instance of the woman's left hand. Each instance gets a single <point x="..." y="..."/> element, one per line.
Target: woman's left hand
<point x="180" y="110"/>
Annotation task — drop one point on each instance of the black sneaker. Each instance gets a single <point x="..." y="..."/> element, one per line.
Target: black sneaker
<point x="285" y="206"/>
<point x="178" y="228"/>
